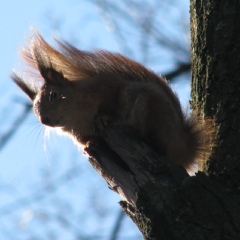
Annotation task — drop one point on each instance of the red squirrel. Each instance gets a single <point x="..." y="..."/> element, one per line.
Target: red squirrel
<point x="79" y="91"/>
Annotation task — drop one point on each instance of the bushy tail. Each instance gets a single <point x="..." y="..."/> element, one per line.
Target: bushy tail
<point x="201" y="139"/>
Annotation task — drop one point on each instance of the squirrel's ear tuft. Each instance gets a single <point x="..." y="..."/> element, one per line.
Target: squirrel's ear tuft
<point x="51" y="76"/>
<point x="27" y="88"/>
<point x="47" y="63"/>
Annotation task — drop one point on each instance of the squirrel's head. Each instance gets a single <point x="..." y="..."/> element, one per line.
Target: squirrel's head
<point x="46" y="86"/>
<point x="52" y="103"/>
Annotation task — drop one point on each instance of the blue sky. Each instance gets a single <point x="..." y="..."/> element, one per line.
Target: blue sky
<point x="30" y="159"/>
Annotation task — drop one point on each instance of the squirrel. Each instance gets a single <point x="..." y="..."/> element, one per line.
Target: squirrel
<point x="80" y="92"/>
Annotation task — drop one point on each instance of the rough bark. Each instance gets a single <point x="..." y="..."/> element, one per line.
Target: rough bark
<point x="163" y="201"/>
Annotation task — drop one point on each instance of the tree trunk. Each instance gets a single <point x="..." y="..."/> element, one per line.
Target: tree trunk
<point x="163" y="201"/>
<point x="216" y="82"/>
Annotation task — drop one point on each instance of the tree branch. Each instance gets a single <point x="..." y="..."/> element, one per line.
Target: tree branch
<point x="163" y="201"/>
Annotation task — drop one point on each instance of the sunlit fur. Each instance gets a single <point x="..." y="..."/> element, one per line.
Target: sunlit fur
<point x="82" y="92"/>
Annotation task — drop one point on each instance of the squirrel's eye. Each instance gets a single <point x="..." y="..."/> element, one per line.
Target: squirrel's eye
<point x="52" y="96"/>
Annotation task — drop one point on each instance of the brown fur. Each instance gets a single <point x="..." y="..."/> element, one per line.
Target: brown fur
<point x="82" y="91"/>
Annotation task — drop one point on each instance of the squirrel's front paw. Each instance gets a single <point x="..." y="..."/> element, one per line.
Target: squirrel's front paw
<point x="101" y="121"/>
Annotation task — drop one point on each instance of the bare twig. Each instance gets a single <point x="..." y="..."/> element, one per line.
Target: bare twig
<point x="181" y="68"/>
<point x="18" y="121"/>
<point x="117" y="226"/>
<point x="40" y="194"/>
